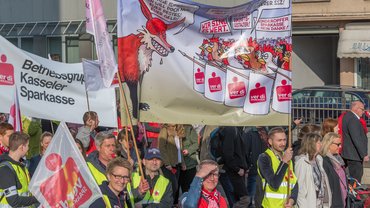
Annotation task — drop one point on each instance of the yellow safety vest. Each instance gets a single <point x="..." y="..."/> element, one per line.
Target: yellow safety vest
<point x="98" y="176"/>
<point x="23" y="177"/>
<point x="277" y="197"/>
<point x="158" y="190"/>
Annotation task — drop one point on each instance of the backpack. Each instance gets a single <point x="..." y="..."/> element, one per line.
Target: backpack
<point x="215" y="145"/>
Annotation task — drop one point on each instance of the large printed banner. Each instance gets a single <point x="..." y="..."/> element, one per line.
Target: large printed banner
<point x="49" y="89"/>
<point x="185" y="62"/>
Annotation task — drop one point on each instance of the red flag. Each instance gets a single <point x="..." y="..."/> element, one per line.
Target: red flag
<point x="15" y="113"/>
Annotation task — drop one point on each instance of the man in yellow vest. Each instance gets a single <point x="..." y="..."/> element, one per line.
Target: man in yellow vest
<point x="273" y="166"/>
<point x="160" y="189"/>
<point x="15" y="178"/>
<point x="98" y="160"/>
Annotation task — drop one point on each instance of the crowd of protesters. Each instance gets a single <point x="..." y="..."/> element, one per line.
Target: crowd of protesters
<point x="254" y="166"/>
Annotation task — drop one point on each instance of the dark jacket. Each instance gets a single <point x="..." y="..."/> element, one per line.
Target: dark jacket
<point x="9" y="179"/>
<point x="254" y="146"/>
<point x="115" y="201"/>
<point x="334" y="182"/>
<point x="34" y="162"/>
<point x="233" y="152"/>
<point x="354" y="138"/>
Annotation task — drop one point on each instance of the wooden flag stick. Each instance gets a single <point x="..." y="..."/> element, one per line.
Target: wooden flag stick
<point x="123" y="95"/>
<point x="289" y="146"/>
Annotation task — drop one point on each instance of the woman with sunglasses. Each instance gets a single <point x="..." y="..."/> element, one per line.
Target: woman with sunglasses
<point x="334" y="168"/>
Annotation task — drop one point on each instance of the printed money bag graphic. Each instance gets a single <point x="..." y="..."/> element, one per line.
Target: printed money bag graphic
<point x="284" y="92"/>
<point x="66" y="187"/>
<point x="215" y="84"/>
<point x="236" y="89"/>
<point x="258" y="94"/>
<point x="199" y="77"/>
<point x="6" y="71"/>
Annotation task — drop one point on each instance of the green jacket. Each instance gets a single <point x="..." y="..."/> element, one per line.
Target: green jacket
<point x="190" y="143"/>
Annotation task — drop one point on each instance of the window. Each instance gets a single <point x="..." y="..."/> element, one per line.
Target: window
<point x="73" y="50"/>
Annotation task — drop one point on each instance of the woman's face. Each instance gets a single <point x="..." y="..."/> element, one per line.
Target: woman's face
<point x="211" y="181"/>
<point x="336" y="129"/>
<point x="335" y="145"/>
<point x="318" y="146"/>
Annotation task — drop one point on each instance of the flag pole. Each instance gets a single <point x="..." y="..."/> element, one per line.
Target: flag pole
<point x="123" y="95"/>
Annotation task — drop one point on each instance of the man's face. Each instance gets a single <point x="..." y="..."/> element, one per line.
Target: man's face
<point x="106" y="149"/>
<point x="278" y="141"/>
<point x="24" y="148"/>
<point x="359" y="109"/>
<point x="152" y="165"/>
<point x="5" y="138"/>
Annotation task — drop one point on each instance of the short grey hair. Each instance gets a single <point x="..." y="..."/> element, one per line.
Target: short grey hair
<point x="101" y="136"/>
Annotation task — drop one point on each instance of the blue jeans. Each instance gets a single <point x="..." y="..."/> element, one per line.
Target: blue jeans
<point x="251" y="186"/>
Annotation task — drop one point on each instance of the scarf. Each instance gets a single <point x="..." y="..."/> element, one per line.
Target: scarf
<point x="209" y="199"/>
<point x="3" y="149"/>
<point x="317" y="178"/>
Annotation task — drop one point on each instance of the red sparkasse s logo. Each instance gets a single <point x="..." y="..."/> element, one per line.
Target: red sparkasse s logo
<point x="66" y="187"/>
<point x="6" y="71"/>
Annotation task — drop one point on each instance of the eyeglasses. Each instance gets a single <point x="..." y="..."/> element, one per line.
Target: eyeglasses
<point x="119" y="177"/>
<point x="338" y="144"/>
<point x="215" y="175"/>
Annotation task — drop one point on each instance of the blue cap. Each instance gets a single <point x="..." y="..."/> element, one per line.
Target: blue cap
<point x="153" y="153"/>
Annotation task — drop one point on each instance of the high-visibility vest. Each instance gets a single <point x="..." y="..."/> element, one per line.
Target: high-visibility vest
<point x="98" y="176"/>
<point x="277" y="197"/>
<point x="154" y="196"/>
<point x="131" y="197"/>
<point x="23" y="177"/>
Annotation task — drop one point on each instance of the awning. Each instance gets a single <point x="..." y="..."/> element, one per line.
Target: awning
<point x="354" y="41"/>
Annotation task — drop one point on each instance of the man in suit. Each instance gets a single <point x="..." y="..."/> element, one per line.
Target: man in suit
<point x="355" y="141"/>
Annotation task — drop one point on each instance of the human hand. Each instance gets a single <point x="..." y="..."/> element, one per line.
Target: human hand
<point x="298" y="121"/>
<point x="205" y="170"/>
<point x="185" y="152"/>
<point x="366" y="158"/>
<point x="169" y="167"/>
<point x="289" y="203"/>
<point x="143" y="187"/>
<point x="288" y="154"/>
<point x="241" y="172"/>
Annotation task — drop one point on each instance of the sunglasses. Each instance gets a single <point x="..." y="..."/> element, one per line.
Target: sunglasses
<point x="338" y="144"/>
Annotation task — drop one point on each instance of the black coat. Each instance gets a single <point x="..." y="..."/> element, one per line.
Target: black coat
<point x="254" y="146"/>
<point x="334" y="183"/>
<point x="354" y="138"/>
<point x="233" y="152"/>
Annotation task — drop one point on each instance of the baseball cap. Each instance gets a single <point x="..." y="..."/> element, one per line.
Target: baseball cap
<point x="152" y="153"/>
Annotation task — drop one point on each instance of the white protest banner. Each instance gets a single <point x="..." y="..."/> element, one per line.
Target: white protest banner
<point x="62" y="178"/>
<point x="51" y="90"/>
<point x="157" y="43"/>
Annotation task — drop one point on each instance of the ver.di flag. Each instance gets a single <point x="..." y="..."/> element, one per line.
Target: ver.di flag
<point x="15" y="113"/>
<point x="96" y="25"/>
<point x="62" y="178"/>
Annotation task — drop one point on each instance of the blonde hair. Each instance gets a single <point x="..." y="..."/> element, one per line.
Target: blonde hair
<point x="327" y="141"/>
